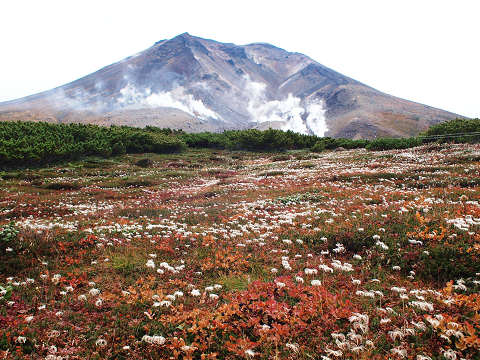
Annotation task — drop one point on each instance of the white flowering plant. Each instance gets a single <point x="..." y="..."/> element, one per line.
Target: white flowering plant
<point x="8" y="233"/>
<point x="5" y="293"/>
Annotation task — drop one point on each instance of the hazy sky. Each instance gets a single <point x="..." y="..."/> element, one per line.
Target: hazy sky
<point x="422" y="50"/>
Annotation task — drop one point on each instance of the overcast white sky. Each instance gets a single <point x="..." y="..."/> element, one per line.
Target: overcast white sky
<point x="425" y="51"/>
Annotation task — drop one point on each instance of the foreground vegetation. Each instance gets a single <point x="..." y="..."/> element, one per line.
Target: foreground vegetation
<point x="219" y="254"/>
<point x="32" y="144"/>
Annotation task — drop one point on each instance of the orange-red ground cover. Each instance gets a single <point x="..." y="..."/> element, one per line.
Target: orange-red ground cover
<point x="342" y="255"/>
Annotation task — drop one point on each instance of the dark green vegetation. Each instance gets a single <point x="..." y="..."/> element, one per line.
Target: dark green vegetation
<point x="37" y="143"/>
<point x="458" y="130"/>
<point x="252" y="140"/>
<point x="393" y="143"/>
<point x="7" y="233"/>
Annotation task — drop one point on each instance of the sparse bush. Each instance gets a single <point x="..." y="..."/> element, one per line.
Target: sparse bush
<point x="5" y="293"/>
<point x="272" y="173"/>
<point x="63" y="186"/>
<point x="127" y="264"/>
<point x="319" y="146"/>
<point x="145" y="163"/>
<point x="8" y="233"/>
<point x="306" y="165"/>
<point x="281" y="158"/>
<point x="137" y="183"/>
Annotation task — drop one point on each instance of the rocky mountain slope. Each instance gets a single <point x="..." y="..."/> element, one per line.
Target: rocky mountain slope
<point x="197" y="84"/>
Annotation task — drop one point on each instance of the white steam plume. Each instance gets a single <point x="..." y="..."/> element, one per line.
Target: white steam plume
<point x="316" y="118"/>
<point x="131" y="97"/>
<point x="78" y="100"/>
<point x="291" y="111"/>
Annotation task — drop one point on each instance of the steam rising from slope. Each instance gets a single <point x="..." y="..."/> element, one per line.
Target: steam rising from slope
<point x="316" y="118"/>
<point x="78" y="100"/>
<point x="296" y="114"/>
<point x="132" y="97"/>
<point x="292" y="113"/>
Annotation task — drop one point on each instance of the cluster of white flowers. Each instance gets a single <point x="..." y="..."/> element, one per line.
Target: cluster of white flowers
<point x="382" y="245"/>
<point x="101" y="342"/>
<point x="415" y="242"/>
<point x="360" y="322"/>
<point x="449" y="354"/>
<point x="369" y="293"/>
<point x="339" y="248"/>
<point x="336" y="264"/>
<point x="325" y="268"/>
<point x="399" y="351"/>
<point x="422" y="305"/>
<point x="250" y="353"/>
<point x="285" y="263"/>
<point x="155" y="339"/>
<point x="465" y="223"/>
<point x="423" y="357"/>
<point x="460" y="285"/>
<point x="398" y="289"/>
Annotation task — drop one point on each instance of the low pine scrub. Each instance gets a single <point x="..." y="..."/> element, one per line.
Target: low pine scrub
<point x="35" y="143"/>
<point x="38" y="143"/>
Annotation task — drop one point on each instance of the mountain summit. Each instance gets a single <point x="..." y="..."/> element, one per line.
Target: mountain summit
<point x="197" y="84"/>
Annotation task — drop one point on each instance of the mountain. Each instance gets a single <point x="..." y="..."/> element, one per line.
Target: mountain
<point x="203" y="85"/>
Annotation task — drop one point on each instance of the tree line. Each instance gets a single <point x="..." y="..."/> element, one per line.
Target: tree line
<point x="38" y="143"/>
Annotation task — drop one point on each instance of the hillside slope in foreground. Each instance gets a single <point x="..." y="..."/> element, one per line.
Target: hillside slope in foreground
<point x="230" y="255"/>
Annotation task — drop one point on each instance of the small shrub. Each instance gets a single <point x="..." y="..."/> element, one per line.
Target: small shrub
<point x="5" y="293"/>
<point x="127" y="264"/>
<point x="272" y="173"/>
<point x="175" y="174"/>
<point x="318" y="147"/>
<point x="307" y="165"/>
<point x="137" y="183"/>
<point x="63" y="186"/>
<point x="281" y="157"/>
<point x="145" y="163"/>
<point x="8" y="233"/>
